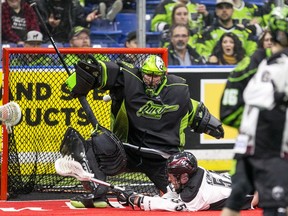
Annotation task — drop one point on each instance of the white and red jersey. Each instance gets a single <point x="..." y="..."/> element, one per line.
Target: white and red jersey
<point x="205" y="190"/>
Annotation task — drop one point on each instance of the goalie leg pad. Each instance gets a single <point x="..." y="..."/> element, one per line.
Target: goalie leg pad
<point x="75" y="146"/>
<point x="109" y="152"/>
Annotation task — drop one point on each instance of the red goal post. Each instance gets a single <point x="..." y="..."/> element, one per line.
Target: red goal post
<point x="34" y="78"/>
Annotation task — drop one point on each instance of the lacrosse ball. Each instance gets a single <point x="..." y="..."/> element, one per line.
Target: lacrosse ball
<point x="106" y="98"/>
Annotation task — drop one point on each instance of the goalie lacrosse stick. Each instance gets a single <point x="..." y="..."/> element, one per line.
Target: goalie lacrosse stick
<point x="66" y="166"/>
<point x="148" y="150"/>
<point x="10" y="115"/>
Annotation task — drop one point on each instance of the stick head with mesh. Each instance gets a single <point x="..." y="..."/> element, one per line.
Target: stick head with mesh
<point x="66" y="166"/>
<point x="10" y="114"/>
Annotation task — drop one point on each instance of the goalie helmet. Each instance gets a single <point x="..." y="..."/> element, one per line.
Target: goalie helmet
<point x="278" y="24"/>
<point x="153" y="66"/>
<point x="183" y="162"/>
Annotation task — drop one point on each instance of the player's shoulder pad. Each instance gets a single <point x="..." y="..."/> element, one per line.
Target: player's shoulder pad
<point x="125" y="65"/>
<point x="173" y="79"/>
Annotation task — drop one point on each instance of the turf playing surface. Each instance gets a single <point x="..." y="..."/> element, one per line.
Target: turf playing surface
<point x="62" y="207"/>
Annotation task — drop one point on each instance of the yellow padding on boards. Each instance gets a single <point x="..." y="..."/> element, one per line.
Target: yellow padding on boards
<point x="216" y="165"/>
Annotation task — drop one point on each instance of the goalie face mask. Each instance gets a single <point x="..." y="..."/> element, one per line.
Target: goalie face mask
<point x="153" y="74"/>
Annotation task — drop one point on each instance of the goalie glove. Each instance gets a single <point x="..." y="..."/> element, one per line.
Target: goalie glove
<point x="87" y="75"/>
<point x="204" y="122"/>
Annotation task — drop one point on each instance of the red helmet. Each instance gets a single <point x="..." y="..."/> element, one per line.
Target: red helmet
<point x="183" y="162"/>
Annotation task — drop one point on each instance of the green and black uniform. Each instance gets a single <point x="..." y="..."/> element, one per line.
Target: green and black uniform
<point x="151" y="110"/>
<point x="232" y="103"/>
<point x="156" y="122"/>
<point x="231" y="111"/>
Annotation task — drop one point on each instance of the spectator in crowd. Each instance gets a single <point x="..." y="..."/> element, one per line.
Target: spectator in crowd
<point x="131" y="40"/>
<point x="265" y="39"/>
<point x="34" y="39"/>
<point x="79" y="37"/>
<point x="62" y="15"/>
<point x="107" y="9"/>
<point x="192" y="188"/>
<point x="248" y="15"/>
<point x="18" y="18"/>
<point x="228" y="51"/>
<point x="179" y="51"/>
<point x="268" y="7"/>
<point x="180" y="15"/>
<point x="224" y="23"/>
<point x="162" y="18"/>
<point x="261" y="146"/>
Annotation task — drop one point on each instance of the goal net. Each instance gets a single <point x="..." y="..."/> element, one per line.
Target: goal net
<point x="35" y="78"/>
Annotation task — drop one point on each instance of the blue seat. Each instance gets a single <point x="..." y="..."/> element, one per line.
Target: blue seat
<point x="151" y="5"/>
<point x="105" y="38"/>
<point x="153" y="39"/>
<point x="103" y="25"/>
<point x="126" y="22"/>
<point x="104" y="33"/>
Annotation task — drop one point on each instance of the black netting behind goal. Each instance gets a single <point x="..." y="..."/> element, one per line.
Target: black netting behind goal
<point x="36" y="83"/>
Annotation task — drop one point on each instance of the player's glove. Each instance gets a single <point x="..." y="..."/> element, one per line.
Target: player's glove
<point x="126" y="197"/>
<point x="280" y="98"/>
<point x="85" y="77"/>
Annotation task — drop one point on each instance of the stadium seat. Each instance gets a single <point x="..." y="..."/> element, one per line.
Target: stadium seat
<point x="103" y="25"/>
<point x="104" y="33"/>
<point x="126" y="22"/>
<point x="153" y="39"/>
<point x="105" y="38"/>
<point x="151" y="5"/>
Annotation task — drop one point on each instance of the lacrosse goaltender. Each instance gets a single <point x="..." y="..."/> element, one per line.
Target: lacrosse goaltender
<point x="150" y="108"/>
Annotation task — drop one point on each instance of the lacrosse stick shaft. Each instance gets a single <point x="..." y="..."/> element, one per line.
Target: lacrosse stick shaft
<point x="148" y="150"/>
<point x="107" y="184"/>
<point x="83" y="101"/>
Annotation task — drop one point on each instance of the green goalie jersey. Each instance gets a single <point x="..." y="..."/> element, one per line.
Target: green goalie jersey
<point x="232" y="103"/>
